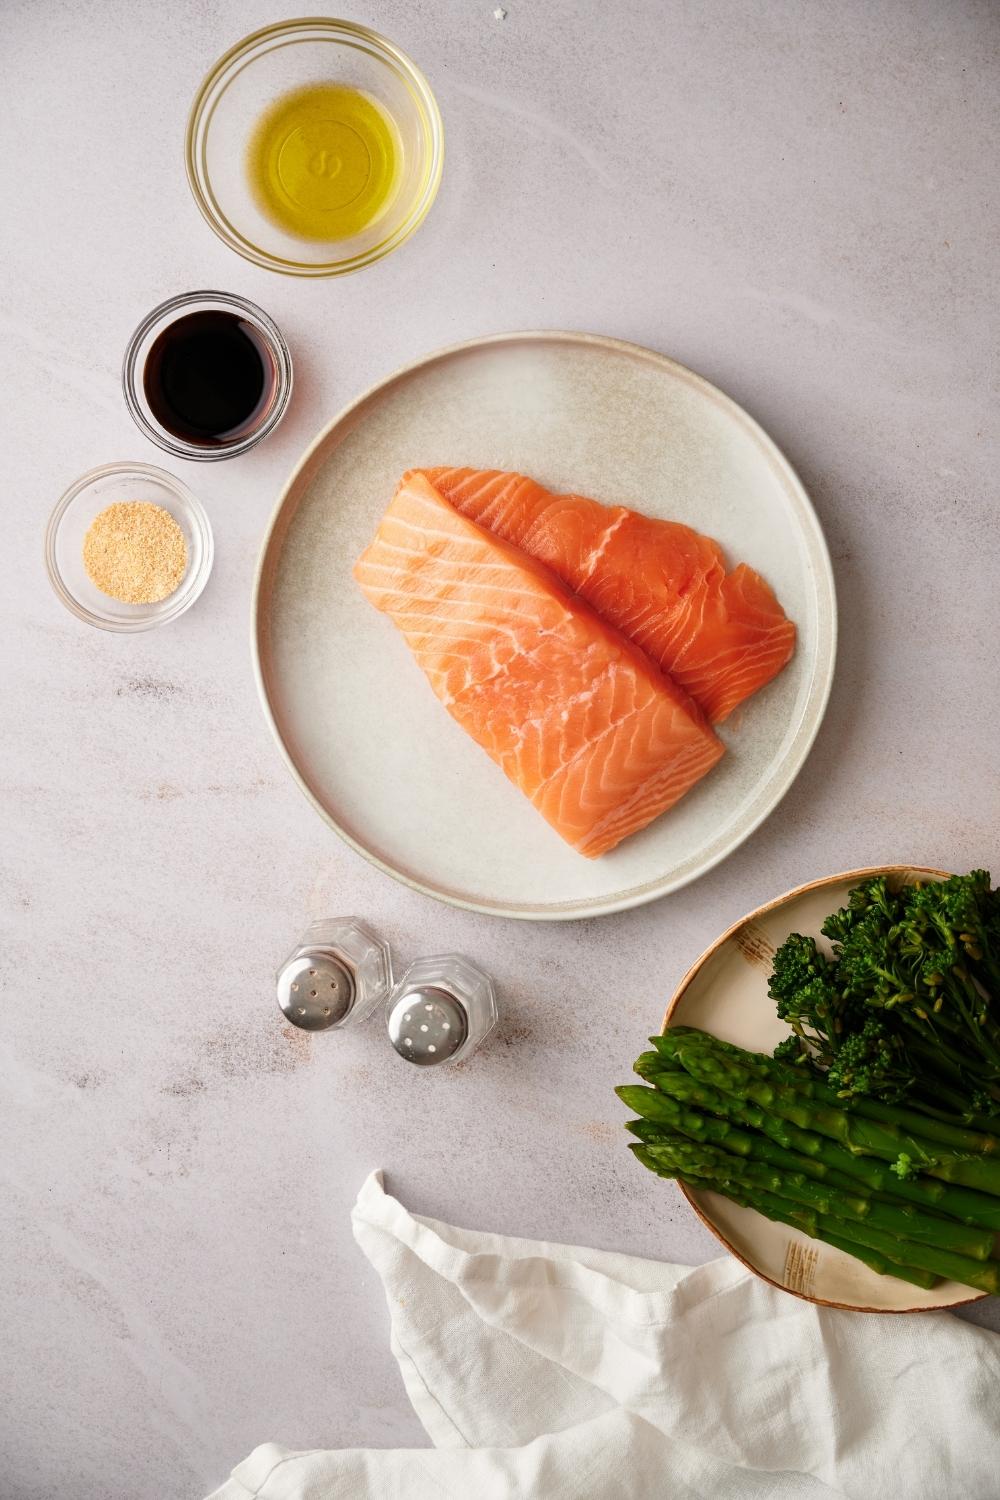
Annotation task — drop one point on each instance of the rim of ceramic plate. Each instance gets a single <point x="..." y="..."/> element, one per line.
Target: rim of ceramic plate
<point x="650" y="890"/>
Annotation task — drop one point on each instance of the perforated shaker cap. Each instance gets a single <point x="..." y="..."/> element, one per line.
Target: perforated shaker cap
<point x="427" y="1025"/>
<point x="316" y="989"/>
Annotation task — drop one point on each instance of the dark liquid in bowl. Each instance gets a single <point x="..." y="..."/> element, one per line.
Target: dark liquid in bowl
<point x="209" y="378"/>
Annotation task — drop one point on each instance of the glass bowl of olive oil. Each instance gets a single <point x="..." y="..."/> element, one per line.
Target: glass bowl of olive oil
<point x="314" y="147"/>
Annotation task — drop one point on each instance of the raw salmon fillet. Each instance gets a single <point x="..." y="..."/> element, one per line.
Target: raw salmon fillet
<point x="577" y="717"/>
<point x="721" y="635"/>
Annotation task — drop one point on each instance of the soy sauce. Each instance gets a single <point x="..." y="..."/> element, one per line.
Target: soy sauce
<point x="209" y="378"/>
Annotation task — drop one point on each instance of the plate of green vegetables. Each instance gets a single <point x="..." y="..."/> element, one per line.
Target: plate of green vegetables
<point x="826" y="1090"/>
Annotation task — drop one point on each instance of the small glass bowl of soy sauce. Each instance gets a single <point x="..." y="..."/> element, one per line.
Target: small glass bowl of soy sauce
<point x="207" y="375"/>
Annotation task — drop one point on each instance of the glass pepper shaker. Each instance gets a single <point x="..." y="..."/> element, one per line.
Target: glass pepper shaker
<point x="337" y="975"/>
<point x="441" y="1010"/>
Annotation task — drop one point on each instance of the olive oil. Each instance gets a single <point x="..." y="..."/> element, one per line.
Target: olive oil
<point x="325" y="162"/>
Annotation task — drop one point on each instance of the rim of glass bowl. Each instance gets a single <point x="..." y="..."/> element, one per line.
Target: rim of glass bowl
<point x="135" y="396"/>
<point x="194" y="580"/>
<point x="214" y="86"/>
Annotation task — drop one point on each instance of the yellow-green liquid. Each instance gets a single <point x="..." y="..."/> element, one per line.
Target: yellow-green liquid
<point x="325" y="162"/>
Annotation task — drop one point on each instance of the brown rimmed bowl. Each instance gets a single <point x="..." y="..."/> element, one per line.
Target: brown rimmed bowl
<point x="725" y="992"/>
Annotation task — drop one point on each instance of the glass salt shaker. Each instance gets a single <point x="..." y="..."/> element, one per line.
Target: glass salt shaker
<point x="441" y="1010"/>
<point x="337" y="975"/>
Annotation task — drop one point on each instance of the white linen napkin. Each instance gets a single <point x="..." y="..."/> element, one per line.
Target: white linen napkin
<point x="552" y="1371"/>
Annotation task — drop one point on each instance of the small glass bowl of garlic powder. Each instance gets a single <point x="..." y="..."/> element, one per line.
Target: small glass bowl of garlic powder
<point x="128" y="547"/>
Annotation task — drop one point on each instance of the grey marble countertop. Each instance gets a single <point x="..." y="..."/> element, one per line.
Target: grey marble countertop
<point x="794" y="199"/>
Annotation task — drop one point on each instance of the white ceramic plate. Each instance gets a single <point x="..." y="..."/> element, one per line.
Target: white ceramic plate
<point x="361" y="730"/>
<point x="726" y="993"/>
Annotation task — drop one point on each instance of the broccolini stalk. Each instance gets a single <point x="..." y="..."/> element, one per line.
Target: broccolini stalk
<point x="955" y="1109"/>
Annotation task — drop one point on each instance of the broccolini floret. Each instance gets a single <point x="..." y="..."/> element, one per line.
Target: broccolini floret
<point x="871" y="1061"/>
<point x="909" y="999"/>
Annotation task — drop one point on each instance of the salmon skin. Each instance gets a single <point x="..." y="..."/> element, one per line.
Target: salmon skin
<point x="721" y="635"/>
<point x="575" y="715"/>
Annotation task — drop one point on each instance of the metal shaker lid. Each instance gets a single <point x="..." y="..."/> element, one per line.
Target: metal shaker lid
<point x="427" y="1025"/>
<point x="316" y="989"/>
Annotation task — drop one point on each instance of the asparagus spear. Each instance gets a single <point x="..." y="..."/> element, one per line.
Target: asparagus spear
<point x="957" y="1202"/>
<point x="983" y="1275"/>
<point x="876" y="1262"/>
<point x="856" y="1132"/>
<point x="665" y="1118"/>
<point x="959" y="1137"/>
<point x="652" y="1134"/>
<point x="799" y="1218"/>
<point x="908" y="1224"/>
<point x="678" y="1120"/>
